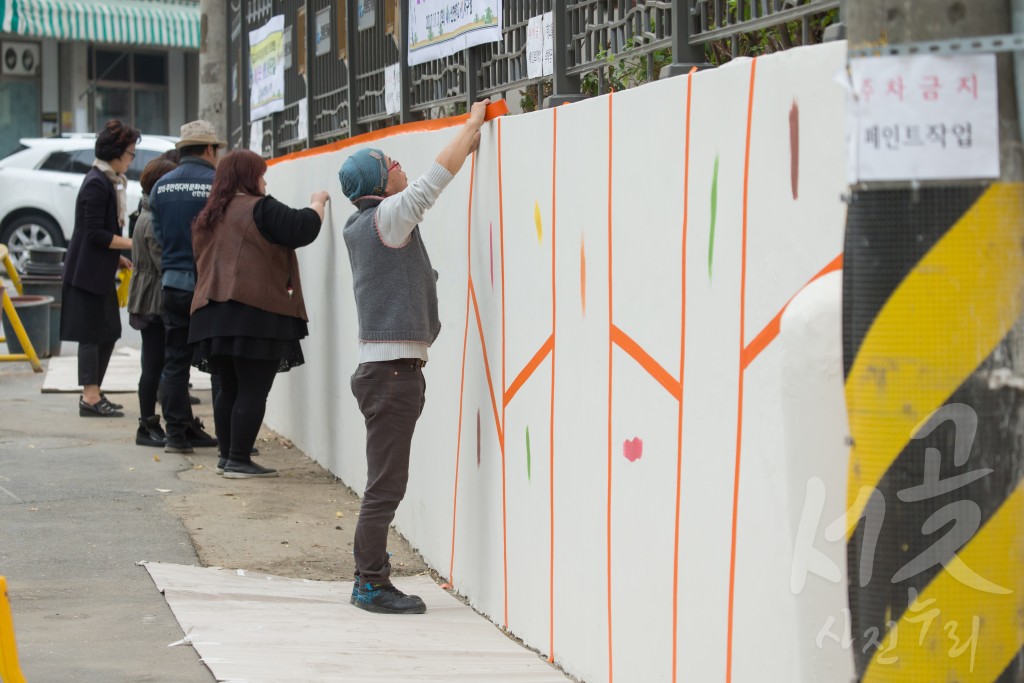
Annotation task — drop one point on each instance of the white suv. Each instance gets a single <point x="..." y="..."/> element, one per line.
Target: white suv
<point x="39" y="184"/>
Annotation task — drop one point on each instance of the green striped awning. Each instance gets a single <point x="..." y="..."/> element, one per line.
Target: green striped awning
<point x="167" y="23"/>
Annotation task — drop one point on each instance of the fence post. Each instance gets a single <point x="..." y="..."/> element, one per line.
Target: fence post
<point x="244" y="85"/>
<point x="352" y="28"/>
<point x="472" y="69"/>
<point x="684" y="55"/>
<point x="565" y="88"/>
<point x="405" y="79"/>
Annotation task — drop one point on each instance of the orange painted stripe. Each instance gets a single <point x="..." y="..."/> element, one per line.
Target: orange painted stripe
<point x="771" y="330"/>
<point x="501" y="435"/>
<point x="739" y="398"/>
<point x="653" y="368"/>
<point x="487" y="363"/>
<point x="551" y="410"/>
<point x="462" y="379"/>
<point x="608" y="521"/>
<point x="374" y="135"/>
<point x="530" y="368"/>
<point x="682" y="369"/>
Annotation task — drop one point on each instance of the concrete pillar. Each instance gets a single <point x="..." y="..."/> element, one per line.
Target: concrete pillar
<point x="213" y="65"/>
<point x="933" y="337"/>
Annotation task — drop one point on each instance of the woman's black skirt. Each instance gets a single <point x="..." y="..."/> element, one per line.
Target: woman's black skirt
<point x="88" y="317"/>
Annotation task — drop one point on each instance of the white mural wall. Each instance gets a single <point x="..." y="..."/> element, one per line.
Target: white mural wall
<point x="611" y="462"/>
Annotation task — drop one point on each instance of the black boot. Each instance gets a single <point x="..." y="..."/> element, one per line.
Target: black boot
<point x="150" y="433"/>
<point x="197" y="436"/>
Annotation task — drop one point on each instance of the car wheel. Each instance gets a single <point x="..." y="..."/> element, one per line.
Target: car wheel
<point x="30" y="231"/>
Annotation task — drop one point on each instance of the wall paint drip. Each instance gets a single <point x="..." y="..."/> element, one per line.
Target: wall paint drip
<point x="537" y="221"/>
<point x="633" y="449"/>
<point x="794" y="149"/>
<point x="714" y="216"/>
<point x="583" y="276"/>
<point x="478" y="438"/>
<point x="528" y="463"/>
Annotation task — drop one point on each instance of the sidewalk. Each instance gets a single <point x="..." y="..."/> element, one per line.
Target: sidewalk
<point x="83" y="506"/>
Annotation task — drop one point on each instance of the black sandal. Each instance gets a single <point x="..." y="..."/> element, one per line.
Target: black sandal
<point x="115" y="406"/>
<point x="101" y="409"/>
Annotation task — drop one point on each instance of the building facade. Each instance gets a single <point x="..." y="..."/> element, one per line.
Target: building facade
<point x="69" y="66"/>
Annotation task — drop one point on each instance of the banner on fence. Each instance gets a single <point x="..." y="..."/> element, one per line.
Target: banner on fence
<point x="266" y="69"/>
<point x="439" y="28"/>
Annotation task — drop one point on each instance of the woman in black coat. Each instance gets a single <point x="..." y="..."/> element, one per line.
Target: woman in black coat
<point x="89" y="312"/>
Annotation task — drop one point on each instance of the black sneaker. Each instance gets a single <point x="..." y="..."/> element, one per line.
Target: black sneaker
<point x="193" y="400"/>
<point x="150" y="433"/>
<point x="197" y="436"/>
<point x="221" y="464"/>
<point x="177" y="445"/>
<point x="385" y="598"/>
<point x="246" y="470"/>
<point x="115" y="406"/>
<point x="101" y="409"/>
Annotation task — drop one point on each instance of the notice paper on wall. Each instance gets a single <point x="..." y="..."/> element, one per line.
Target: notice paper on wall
<point x="539" y="38"/>
<point x="256" y="137"/>
<point x="392" y="89"/>
<point x="923" y="117"/>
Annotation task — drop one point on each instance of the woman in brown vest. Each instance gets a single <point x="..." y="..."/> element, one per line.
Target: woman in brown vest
<point x="248" y="313"/>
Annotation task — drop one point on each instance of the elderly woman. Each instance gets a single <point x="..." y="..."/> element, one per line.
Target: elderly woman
<point x="248" y="313"/>
<point x="89" y="312"/>
<point x="145" y="306"/>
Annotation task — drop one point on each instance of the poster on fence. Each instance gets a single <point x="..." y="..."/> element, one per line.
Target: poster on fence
<point x="538" y="46"/>
<point x="392" y="89"/>
<point x="266" y="69"/>
<point x="439" y="28"/>
<point x="923" y="117"/>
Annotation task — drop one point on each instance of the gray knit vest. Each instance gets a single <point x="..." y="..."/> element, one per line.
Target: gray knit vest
<point x="395" y="288"/>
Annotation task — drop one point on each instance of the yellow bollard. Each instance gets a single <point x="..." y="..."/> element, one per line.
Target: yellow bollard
<point x="10" y="670"/>
<point x="12" y="315"/>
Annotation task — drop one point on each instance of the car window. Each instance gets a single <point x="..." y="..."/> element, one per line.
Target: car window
<point x="81" y="161"/>
<point x="142" y="157"/>
<point x="58" y="161"/>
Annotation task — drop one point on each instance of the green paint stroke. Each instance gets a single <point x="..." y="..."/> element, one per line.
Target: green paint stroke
<point x="714" y="215"/>
<point x="528" y="453"/>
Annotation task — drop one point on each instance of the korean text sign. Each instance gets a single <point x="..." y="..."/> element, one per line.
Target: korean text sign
<point x="924" y="117"/>
<point x="439" y="28"/>
<point x="266" y="62"/>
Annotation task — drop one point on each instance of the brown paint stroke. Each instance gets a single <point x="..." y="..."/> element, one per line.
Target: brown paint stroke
<point x="794" y="148"/>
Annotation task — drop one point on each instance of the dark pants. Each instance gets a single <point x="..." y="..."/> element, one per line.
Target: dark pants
<point x="93" y="360"/>
<point x="177" y="363"/>
<point x="390" y="395"/>
<point x="152" y="366"/>
<point x="239" y="406"/>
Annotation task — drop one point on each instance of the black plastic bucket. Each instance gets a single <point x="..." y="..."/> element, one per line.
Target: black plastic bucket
<point x="34" y="313"/>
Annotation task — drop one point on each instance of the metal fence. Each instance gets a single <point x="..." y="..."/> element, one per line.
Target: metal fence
<point x="599" y="44"/>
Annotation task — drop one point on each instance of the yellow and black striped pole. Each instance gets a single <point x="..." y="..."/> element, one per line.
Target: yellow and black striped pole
<point x="933" y="336"/>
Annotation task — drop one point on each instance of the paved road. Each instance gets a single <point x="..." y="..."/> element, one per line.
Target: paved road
<point x="79" y="508"/>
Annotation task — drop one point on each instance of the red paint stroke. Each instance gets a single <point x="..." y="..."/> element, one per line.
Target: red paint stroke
<point x="478" y="438"/>
<point x="492" y="253"/>
<point x="633" y="449"/>
<point x="583" y="275"/>
<point x="771" y="330"/>
<point x="794" y="148"/>
<point x="487" y="363"/>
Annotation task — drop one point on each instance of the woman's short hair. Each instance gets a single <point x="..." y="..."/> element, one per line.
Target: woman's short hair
<point x="114" y="139"/>
<point x="154" y="171"/>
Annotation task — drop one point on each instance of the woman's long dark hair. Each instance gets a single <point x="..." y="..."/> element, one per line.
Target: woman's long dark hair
<point x="238" y="171"/>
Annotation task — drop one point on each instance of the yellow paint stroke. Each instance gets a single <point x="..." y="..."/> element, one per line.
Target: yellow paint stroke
<point x="537" y="221"/>
<point x="583" y="276"/>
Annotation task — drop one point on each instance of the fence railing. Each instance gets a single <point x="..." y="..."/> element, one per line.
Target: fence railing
<point x="599" y="44"/>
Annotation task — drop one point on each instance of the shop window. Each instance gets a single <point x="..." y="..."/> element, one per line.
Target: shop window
<point x="132" y="87"/>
